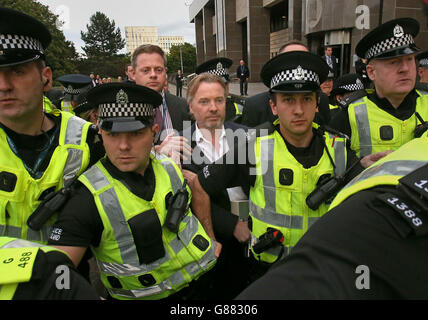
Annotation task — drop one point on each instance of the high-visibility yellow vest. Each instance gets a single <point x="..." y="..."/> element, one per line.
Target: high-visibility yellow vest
<point x="22" y="197"/>
<point x="238" y="108"/>
<point x="117" y="255"/>
<point x="17" y="259"/>
<point x="388" y="170"/>
<point x="47" y="105"/>
<point x="375" y="130"/>
<point x="67" y="106"/>
<point x="278" y="197"/>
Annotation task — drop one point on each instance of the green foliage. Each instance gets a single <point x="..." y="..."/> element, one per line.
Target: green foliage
<point x="61" y="54"/>
<point x="189" y="58"/>
<point x="113" y="66"/>
<point x="102" y="39"/>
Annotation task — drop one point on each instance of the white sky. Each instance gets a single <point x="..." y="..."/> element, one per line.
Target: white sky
<point x="170" y="16"/>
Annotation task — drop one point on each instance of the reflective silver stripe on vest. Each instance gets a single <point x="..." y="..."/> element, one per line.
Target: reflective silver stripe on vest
<point x="96" y="178"/>
<point x="173" y="175"/>
<point x="72" y="165"/>
<point x="10" y="231"/>
<point x="42" y="235"/>
<point x="19" y="243"/>
<point x="363" y="125"/>
<point x="119" y="224"/>
<point x="391" y="168"/>
<point x="276" y="219"/>
<point x="73" y="136"/>
<point x="74" y="131"/>
<point x="267" y="149"/>
<point x="174" y="280"/>
<point x="339" y="156"/>
<point x="195" y="267"/>
<point x="127" y="270"/>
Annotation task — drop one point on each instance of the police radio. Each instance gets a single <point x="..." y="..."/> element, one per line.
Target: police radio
<point x="177" y="208"/>
<point x="52" y="203"/>
<point x="327" y="188"/>
<point x="421" y="128"/>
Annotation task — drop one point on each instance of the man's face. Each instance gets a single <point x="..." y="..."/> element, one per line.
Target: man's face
<point x="395" y="76"/>
<point x="327" y="86"/>
<point x="129" y="151"/>
<point x="296" y="111"/>
<point x="423" y="74"/>
<point x="328" y="51"/>
<point x="150" y="71"/>
<point x="21" y="90"/>
<point x="209" y="106"/>
<point x="241" y="62"/>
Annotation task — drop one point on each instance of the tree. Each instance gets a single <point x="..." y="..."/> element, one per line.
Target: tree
<point x="102" y="39"/>
<point x="61" y="54"/>
<point x="188" y="53"/>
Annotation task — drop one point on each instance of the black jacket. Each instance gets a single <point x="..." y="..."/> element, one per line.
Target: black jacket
<point x="223" y="220"/>
<point x="178" y="111"/>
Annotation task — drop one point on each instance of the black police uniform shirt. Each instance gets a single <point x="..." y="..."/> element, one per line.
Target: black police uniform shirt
<point x="43" y="283"/>
<point x="362" y="249"/>
<point x="81" y="225"/>
<point x="29" y="147"/>
<point x="406" y="109"/>
<point x="220" y="176"/>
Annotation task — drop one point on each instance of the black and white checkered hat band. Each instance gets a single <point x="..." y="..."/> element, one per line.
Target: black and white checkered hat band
<point x="8" y="41"/>
<point x="114" y="110"/>
<point x="293" y="75"/>
<point x="74" y="91"/>
<point x="353" y="87"/>
<point x="389" y="44"/>
<point x="219" y="72"/>
<point x="423" y="62"/>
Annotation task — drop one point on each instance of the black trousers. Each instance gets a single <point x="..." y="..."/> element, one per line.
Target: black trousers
<point x="179" y="91"/>
<point x="243" y="87"/>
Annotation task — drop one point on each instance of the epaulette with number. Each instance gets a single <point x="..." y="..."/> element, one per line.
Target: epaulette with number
<point x="354" y="96"/>
<point x="412" y="205"/>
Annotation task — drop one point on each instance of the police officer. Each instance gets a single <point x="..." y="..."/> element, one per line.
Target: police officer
<point x="220" y="67"/>
<point x="342" y="88"/>
<point x="30" y="271"/>
<point x="423" y="66"/>
<point x="74" y="85"/>
<point x="288" y="165"/>
<point x="372" y="244"/>
<point x="40" y="152"/>
<point x="136" y="218"/>
<point x="385" y="118"/>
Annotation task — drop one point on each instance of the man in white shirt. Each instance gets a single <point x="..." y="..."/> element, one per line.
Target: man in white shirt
<point x="211" y="138"/>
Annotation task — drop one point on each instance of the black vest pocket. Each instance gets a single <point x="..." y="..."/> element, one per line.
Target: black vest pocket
<point x="147" y="232"/>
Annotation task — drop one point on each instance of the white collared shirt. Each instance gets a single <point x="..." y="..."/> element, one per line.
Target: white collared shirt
<point x="213" y="155"/>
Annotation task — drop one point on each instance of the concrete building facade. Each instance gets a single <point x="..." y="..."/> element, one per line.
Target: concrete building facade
<point x="136" y="36"/>
<point x="254" y="30"/>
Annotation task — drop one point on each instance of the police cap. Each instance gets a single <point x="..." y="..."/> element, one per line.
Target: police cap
<point x="347" y="83"/>
<point x="217" y="66"/>
<point x="423" y="59"/>
<point x="295" y="71"/>
<point x="82" y="104"/>
<point x="394" y="38"/>
<point x="75" y="84"/>
<point x="22" y="38"/>
<point x="124" y="106"/>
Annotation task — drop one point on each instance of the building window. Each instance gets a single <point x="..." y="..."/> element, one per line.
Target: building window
<point x="279" y="17"/>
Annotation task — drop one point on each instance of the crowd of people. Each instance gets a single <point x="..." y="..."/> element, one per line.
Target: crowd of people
<point x="285" y="197"/>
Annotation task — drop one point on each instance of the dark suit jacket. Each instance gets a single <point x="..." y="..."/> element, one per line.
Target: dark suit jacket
<point x="245" y="74"/>
<point x="335" y="67"/>
<point x="223" y="220"/>
<point x="257" y="110"/>
<point x="178" y="110"/>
